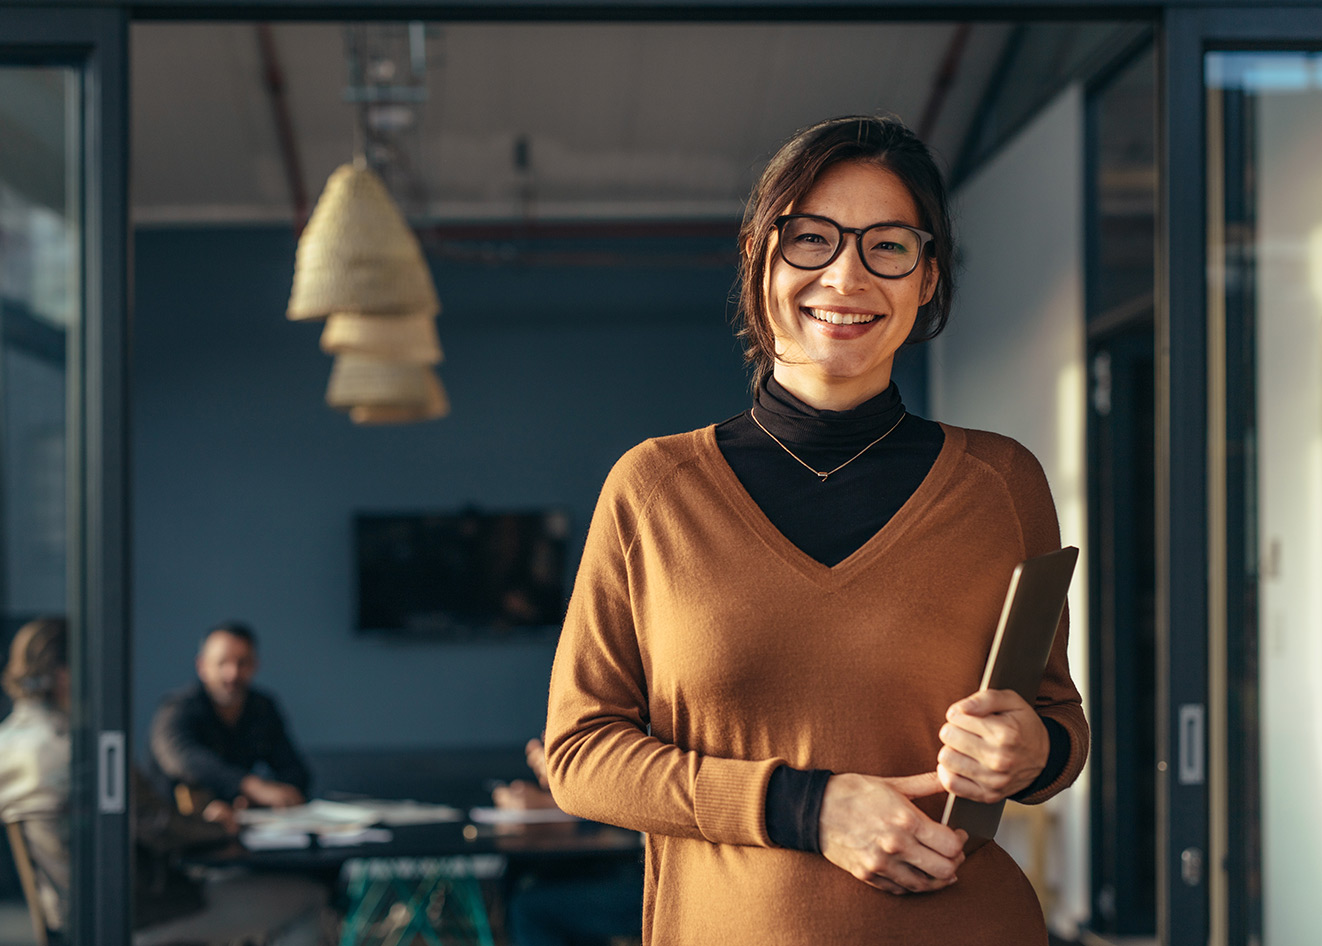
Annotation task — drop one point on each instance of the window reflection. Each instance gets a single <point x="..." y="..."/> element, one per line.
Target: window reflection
<point x="39" y="300"/>
<point x="1267" y="127"/>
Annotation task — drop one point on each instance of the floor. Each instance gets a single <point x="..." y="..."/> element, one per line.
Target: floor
<point x="15" y="924"/>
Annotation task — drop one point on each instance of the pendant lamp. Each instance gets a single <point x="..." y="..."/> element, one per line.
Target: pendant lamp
<point x="360" y="267"/>
<point x="357" y="254"/>
<point x="436" y="405"/>
<point x="410" y="339"/>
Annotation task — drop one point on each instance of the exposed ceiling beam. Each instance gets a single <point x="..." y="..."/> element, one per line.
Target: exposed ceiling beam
<point x="273" y="80"/>
<point x="945" y="78"/>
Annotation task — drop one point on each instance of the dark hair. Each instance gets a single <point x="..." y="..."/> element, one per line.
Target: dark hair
<point x="796" y="167"/>
<point x="40" y="648"/>
<point x="233" y="628"/>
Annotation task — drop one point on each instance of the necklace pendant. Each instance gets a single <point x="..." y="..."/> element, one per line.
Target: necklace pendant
<point x="822" y="476"/>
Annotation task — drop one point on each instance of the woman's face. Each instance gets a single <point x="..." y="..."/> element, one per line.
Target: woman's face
<point x="837" y="366"/>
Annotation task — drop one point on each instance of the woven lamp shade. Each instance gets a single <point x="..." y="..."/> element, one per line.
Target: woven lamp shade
<point x="357" y="254"/>
<point x="410" y="339"/>
<point x="379" y="391"/>
<point x="437" y="405"/>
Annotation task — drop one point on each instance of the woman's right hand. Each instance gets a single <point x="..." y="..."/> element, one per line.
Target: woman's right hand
<point x="869" y="827"/>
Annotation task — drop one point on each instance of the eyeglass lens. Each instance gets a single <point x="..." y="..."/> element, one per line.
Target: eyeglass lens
<point x="811" y="243"/>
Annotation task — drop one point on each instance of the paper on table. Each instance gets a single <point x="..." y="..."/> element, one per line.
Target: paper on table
<point x="268" y="839"/>
<point x="520" y="816"/>
<point x="410" y="812"/>
<point x="310" y="818"/>
<point x="354" y="836"/>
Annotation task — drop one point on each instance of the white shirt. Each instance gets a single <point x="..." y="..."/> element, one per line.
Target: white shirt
<point x="34" y="790"/>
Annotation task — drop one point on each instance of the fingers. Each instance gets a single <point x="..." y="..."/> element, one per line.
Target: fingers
<point x="986" y="703"/>
<point x="981" y="725"/>
<point x="870" y="829"/>
<point x="916" y="786"/>
<point x="882" y="883"/>
<point x="917" y="869"/>
<point x="994" y="744"/>
<point x="983" y="774"/>
<point x="941" y="840"/>
<point x="894" y="875"/>
<point x="966" y="787"/>
<point x="936" y="867"/>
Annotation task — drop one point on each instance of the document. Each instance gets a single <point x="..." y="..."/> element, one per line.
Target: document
<point x="1019" y="652"/>
<point x="520" y="816"/>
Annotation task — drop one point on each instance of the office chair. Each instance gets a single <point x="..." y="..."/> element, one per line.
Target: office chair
<point x="27" y="876"/>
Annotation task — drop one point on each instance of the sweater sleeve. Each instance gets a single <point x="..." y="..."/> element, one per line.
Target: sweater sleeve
<point x="602" y="761"/>
<point x="1058" y="699"/>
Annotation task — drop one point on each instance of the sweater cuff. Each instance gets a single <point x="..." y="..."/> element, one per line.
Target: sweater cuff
<point x="729" y="799"/>
<point x="794" y="807"/>
<point x="1057" y="758"/>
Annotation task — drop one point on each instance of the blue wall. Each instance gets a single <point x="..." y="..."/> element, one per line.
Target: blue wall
<point x="245" y="482"/>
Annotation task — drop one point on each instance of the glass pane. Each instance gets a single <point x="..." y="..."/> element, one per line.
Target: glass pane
<point x="1265" y="121"/>
<point x="1121" y="279"/>
<point x="39" y="303"/>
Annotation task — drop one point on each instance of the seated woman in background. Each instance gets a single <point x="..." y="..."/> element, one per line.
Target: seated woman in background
<point x="34" y="758"/>
<point x="779" y="621"/>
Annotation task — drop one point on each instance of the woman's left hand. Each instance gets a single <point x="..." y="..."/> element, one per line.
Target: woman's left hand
<point x="995" y="744"/>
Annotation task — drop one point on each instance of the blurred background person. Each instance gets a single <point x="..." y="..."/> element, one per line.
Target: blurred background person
<point x="223" y="740"/>
<point x="173" y="905"/>
<point x="34" y="758"/>
<point x="589" y="908"/>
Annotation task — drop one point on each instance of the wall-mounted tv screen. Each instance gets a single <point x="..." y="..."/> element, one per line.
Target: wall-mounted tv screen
<point x="461" y="575"/>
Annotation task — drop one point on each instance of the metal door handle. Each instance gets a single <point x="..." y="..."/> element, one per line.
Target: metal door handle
<point x="1191" y="866"/>
<point x="110" y="776"/>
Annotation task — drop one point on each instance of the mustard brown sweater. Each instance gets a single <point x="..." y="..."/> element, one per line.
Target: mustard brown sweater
<point x="702" y="650"/>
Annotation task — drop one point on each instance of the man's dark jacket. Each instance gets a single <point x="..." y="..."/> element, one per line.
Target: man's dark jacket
<point x="190" y="744"/>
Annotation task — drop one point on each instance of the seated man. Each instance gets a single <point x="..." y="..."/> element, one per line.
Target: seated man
<point x="212" y="737"/>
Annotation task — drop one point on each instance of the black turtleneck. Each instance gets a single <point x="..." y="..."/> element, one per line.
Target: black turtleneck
<point x="830" y="520"/>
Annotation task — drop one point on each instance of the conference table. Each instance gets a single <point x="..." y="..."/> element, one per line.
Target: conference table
<point x="436" y="871"/>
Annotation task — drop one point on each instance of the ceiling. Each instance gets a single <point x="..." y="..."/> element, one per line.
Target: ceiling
<point x="618" y="121"/>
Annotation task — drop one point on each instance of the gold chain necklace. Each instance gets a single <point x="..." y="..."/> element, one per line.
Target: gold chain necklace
<point x="820" y="475"/>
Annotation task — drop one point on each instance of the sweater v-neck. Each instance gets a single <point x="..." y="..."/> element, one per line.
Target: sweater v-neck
<point x="830" y="577"/>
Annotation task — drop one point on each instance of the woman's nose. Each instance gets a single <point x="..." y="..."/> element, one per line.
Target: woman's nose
<point x="846" y="273"/>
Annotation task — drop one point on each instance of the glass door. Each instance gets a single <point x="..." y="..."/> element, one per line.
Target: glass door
<point x="1264" y="135"/>
<point x="40" y="304"/>
<point x="62" y="622"/>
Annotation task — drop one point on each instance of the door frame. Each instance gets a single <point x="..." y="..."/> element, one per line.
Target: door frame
<point x="95" y="38"/>
<point x="94" y="41"/>
<point x="1193" y="477"/>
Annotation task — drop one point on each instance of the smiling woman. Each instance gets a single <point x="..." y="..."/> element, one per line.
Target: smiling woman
<point x="770" y="657"/>
<point x="838" y="321"/>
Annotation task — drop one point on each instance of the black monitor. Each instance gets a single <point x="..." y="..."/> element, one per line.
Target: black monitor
<point x="469" y="574"/>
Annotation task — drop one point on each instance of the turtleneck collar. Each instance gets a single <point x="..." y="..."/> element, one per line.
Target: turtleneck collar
<point x="793" y="421"/>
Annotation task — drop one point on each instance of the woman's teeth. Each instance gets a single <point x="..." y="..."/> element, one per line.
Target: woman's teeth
<point x="838" y="318"/>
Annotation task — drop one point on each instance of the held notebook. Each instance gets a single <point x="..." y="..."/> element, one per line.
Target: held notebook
<point x="1019" y="653"/>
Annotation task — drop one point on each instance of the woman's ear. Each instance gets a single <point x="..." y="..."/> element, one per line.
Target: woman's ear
<point x="931" y="278"/>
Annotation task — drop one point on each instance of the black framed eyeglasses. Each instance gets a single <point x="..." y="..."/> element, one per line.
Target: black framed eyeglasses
<point x="888" y="250"/>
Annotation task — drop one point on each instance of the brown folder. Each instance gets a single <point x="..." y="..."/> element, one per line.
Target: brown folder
<point x="1019" y="652"/>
